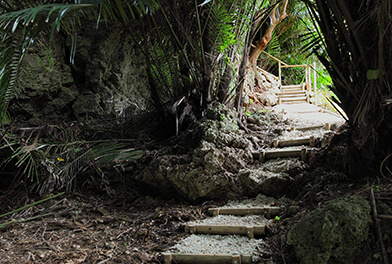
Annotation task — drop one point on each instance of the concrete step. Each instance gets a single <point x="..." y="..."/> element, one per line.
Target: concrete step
<point x="292" y="95"/>
<point x="292" y="92"/>
<point x="295" y="86"/>
<point x="293" y="100"/>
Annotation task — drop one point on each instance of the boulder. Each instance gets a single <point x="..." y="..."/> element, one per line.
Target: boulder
<point x="333" y="232"/>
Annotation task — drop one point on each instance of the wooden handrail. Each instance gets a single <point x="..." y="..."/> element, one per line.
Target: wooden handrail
<point x="294" y="66"/>
<point x="272" y="57"/>
<point x="308" y="79"/>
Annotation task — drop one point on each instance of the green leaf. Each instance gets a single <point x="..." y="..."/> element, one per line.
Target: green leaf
<point x="373" y="74"/>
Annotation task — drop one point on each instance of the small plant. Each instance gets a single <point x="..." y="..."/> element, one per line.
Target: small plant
<point x="222" y="117"/>
<point x="248" y="113"/>
<point x="277" y="218"/>
<point x="375" y="187"/>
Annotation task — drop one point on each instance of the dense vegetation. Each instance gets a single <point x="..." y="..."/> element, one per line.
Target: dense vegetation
<point x="197" y="53"/>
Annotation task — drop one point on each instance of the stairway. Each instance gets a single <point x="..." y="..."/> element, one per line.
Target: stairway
<point x="293" y="94"/>
<point x="243" y="225"/>
<point x="249" y="222"/>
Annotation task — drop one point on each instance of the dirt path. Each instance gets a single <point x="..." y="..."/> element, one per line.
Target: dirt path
<point x="80" y="229"/>
<point x="86" y="230"/>
<point x="303" y="115"/>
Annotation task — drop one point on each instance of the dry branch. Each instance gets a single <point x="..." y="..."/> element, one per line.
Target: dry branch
<point x="376" y="223"/>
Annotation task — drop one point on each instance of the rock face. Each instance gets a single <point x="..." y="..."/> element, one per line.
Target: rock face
<point x="332" y="232"/>
<point x="221" y="166"/>
<point x="266" y="92"/>
<point x="107" y="78"/>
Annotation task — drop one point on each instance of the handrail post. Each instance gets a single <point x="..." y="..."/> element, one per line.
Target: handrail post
<point x="308" y="84"/>
<point x="315" y="82"/>
<point x="306" y="79"/>
<point x="280" y="76"/>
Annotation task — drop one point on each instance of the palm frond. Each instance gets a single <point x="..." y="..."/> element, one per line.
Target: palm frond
<point x="56" y="166"/>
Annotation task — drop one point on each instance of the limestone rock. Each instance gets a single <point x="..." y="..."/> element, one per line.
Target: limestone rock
<point x="87" y="104"/>
<point x="333" y="231"/>
<point x="54" y="91"/>
<point x="218" y="167"/>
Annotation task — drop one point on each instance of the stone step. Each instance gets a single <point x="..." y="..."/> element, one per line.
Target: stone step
<point x="268" y="212"/>
<point x="249" y="231"/>
<point x="170" y="258"/>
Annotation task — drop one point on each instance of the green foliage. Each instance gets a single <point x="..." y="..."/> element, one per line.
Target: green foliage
<point x="347" y="33"/>
<point x="192" y="53"/>
<point x="49" y="165"/>
<point x="2" y="225"/>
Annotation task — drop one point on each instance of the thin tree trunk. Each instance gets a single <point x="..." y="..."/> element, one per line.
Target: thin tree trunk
<point x="263" y="42"/>
<point x="242" y="73"/>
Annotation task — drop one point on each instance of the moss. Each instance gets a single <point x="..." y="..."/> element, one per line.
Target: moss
<point x="87" y="104"/>
<point x="336" y="230"/>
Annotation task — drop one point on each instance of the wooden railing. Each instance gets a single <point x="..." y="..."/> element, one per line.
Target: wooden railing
<point x="308" y="85"/>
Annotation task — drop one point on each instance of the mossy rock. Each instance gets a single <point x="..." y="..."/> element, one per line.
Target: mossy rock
<point x="334" y="231"/>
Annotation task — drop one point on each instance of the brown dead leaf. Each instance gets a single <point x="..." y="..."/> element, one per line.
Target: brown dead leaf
<point x="145" y="257"/>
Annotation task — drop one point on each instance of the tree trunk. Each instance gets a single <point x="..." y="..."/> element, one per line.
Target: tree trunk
<point x="275" y="19"/>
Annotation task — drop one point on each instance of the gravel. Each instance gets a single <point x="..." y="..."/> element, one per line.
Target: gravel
<point x="317" y="133"/>
<point x="259" y="201"/>
<point x="215" y="244"/>
<point x="249" y="220"/>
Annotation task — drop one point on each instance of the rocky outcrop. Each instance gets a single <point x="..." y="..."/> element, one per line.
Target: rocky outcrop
<point x="107" y="79"/>
<point x="333" y="232"/>
<point x="221" y="166"/>
<point x="265" y="91"/>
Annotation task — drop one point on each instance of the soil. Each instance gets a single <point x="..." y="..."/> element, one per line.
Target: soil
<point x="130" y="226"/>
